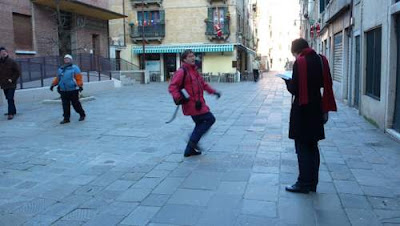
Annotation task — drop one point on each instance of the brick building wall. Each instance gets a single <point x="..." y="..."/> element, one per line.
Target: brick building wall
<point x="45" y="32"/>
<point x="7" y="7"/>
<point x="44" y="29"/>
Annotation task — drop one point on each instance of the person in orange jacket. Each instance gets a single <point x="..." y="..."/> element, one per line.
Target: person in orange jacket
<point x="70" y="83"/>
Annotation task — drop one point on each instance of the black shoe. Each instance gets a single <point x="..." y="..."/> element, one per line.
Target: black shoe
<point x="64" y="121"/>
<point x="296" y="188"/>
<point x="194" y="152"/>
<point x="82" y="118"/>
<point x="10" y="117"/>
<point x="195" y="147"/>
<point x="6" y="114"/>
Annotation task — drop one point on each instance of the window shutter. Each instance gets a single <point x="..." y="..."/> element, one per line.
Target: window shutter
<point x="210" y="14"/>
<point x="162" y="16"/>
<point x="22" y="32"/>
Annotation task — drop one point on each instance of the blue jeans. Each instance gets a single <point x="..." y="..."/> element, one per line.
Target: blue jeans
<point x="203" y="124"/>
<point x="9" y="94"/>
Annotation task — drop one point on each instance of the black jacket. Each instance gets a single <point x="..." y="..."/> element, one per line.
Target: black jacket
<point x="306" y="122"/>
<point x="9" y="69"/>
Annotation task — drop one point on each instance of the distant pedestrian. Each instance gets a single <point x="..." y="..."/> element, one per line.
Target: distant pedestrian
<point x="187" y="88"/>
<point x="256" y="69"/>
<point x="9" y="74"/>
<point x="309" y="111"/>
<point x="69" y="83"/>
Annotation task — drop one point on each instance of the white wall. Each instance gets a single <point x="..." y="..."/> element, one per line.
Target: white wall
<point x="375" y="14"/>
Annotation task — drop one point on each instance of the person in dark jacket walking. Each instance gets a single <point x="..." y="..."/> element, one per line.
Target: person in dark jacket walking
<point x="195" y="106"/>
<point x="9" y="74"/>
<point x="70" y="83"/>
<point x="309" y="111"/>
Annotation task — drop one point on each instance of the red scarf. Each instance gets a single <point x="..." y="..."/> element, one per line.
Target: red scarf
<point x="328" y="99"/>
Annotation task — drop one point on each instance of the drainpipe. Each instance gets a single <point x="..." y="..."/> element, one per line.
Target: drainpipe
<point x="350" y="71"/>
<point x="362" y="71"/>
<point x="123" y="12"/>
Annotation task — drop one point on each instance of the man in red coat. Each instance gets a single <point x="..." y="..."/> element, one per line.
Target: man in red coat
<point x="188" y="78"/>
<point x="309" y="111"/>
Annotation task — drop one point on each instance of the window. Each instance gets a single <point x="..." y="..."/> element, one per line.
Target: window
<point x="322" y="5"/>
<point x="150" y="18"/>
<point x="219" y="16"/>
<point x="22" y="32"/>
<point x="373" y="70"/>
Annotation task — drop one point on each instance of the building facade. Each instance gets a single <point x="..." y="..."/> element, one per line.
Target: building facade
<point x="218" y="31"/>
<point x="361" y="38"/>
<point x="34" y="28"/>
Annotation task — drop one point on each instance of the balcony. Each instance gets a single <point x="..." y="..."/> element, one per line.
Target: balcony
<point x="155" y="32"/>
<point x="212" y="33"/>
<point x="147" y="3"/>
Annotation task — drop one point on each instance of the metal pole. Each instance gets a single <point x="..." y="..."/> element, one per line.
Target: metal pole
<point x="143" y="46"/>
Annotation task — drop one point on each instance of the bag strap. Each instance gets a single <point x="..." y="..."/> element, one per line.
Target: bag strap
<point x="184" y="76"/>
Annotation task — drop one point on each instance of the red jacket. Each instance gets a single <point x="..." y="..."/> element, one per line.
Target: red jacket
<point x="194" y="85"/>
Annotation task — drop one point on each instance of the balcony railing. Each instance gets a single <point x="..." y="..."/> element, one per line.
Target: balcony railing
<point x="212" y="33"/>
<point x="136" y="3"/>
<point x="151" y="32"/>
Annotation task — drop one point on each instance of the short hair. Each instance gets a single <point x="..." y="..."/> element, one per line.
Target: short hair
<point x="3" y="48"/>
<point x="186" y="53"/>
<point x="298" y="45"/>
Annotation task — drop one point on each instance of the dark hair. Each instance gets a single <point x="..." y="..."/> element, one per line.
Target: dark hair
<point x="2" y="48"/>
<point x="298" y="45"/>
<point x="186" y="53"/>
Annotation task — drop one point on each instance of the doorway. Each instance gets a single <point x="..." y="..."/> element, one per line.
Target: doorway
<point x="169" y="65"/>
<point x="118" y="60"/>
<point x="396" y="118"/>
<point x="357" y="73"/>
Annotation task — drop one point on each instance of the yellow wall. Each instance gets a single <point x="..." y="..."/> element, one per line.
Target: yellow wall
<point x="217" y="63"/>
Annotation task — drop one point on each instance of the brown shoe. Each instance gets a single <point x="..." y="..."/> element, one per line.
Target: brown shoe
<point x="10" y="117"/>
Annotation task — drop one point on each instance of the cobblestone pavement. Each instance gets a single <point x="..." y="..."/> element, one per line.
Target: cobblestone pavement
<point x="125" y="166"/>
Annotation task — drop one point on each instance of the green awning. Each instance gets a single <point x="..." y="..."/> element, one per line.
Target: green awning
<point x="202" y="48"/>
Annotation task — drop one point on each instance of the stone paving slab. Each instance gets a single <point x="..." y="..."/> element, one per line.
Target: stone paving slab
<point x="124" y="166"/>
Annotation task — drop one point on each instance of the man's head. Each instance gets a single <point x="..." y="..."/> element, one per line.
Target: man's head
<point x="68" y="59"/>
<point x="3" y="52"/>
<point x="188" y="57"/>
<point x="298" y="45"/>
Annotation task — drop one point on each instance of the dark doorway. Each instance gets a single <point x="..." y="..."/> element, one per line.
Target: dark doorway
<point x="357" y="74"/>
<point x="169" y="65"/>
<point x="118" y="60"/>
<point x="96" y="51"/>
<point x="396" y="122"/>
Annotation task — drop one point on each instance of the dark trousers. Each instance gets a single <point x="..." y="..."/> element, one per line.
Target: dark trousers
<point x="256" y="75"/>
<point x="9" y="93"/>
<point x="308" y="159"/>
<point x="203" y="124"/>
<point x="68" y="97"/>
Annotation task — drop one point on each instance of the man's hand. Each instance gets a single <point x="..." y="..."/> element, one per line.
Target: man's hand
<point x="51" y="88"/>
<point x="80" y="89"/>
<point x="325" y="117"/>
<point x="9" y="80"/>
<point x="218" y="94"/>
